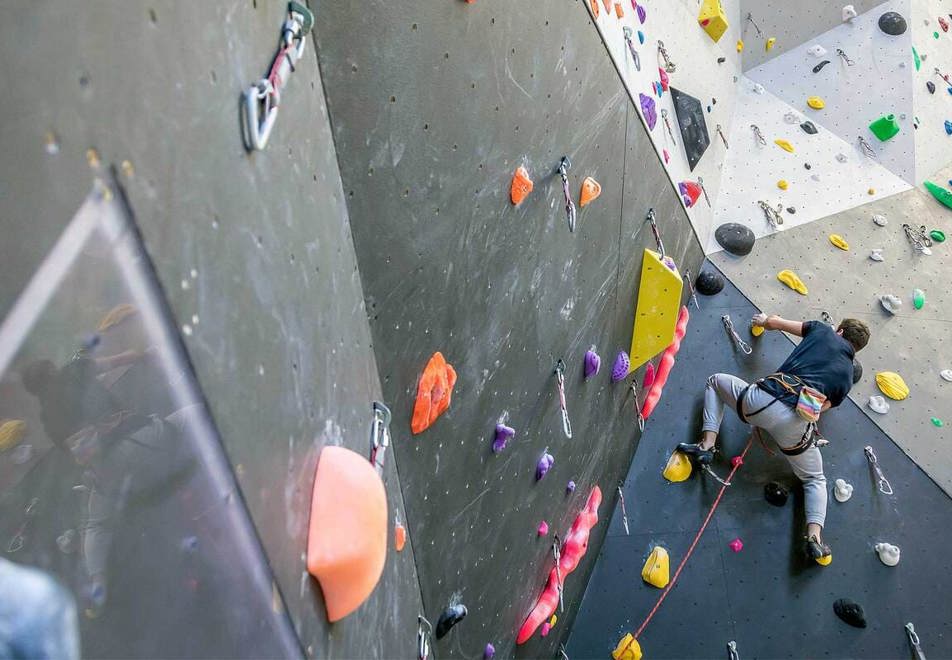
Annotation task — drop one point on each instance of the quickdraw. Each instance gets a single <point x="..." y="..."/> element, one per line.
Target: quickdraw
<point x="700" y="182"/>
<point x="653" y="220"/>
<point x="557" y="556"/>
<point x="263" y="98"/>
<point x="631" y="47"/>
<point x="844" y="57"/>
<point x="560" y="377"/>
<point x="919" y="239"/>
<point x="424" y="631"/>
<point x="641" y="419"/>
<point x="735" y="338"/>
<point x="624" y="513"/>
<point x="884" y="486"/>
<point x="667" y="125"/>
<point x="18" y="538"/>
<point x="944" y="76"/>
<point x="379" y="435"/>
<point x="750" y="21"/>
<point x="570" y="212"/>
<point x="866" y="147"/>
<point x="732" y="653"/>
<point x="758" y="135"/>
<point x="720" y="132"/>
<point x="669" y="65"/>
<point x="687" y="278"/>
<point x="563" y="655"/>
<point x="914" y="642"/>
<point x="774" y="218"/>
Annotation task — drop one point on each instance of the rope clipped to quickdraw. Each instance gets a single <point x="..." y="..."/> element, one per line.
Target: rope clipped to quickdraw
<point x="631" y="47"/>
<point x="843" y="56"/>
<point x="624" y="513"/>
<point x="914" y="642"/>
<point x="883" y="483"/>
<point x="866" y="147"/>
<point x="735" y="338"/>
<point x="560" y="377"/>
<point x="570" y="212"/>
<point x="557" y="556"/>
<point x="641" y="419"/>
<point x="379" y="435"/>
<point x="687" y="278"/>
<point x="654" y="230"/>
<point x="424" y="631"/>
<point x="667" y="124"/>
<point x="669" y="65"/>
<point x="918" y="238"/>
<point x="758" y="134"/>
<point x="773" y="216"/>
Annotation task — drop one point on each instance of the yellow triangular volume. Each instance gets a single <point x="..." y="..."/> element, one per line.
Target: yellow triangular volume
<point x="713" y="19"/>
<point x="659" y="300"/>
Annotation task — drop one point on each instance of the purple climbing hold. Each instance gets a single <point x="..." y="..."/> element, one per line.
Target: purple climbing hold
<point x="570" y="487"/>
<point x="642" y="14"/>
<point x="592" y="362"/>
<point x="503" y="435"/>
<point x="544" y="465"/>
<point x="490" y="652"/>
<point x="648" y="110"/>
<point x="621" y="366"/>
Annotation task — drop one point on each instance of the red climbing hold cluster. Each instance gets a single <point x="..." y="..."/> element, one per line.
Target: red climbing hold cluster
<point x="664" y="367"/>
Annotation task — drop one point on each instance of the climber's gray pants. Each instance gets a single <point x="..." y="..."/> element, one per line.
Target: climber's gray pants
<point x="782" y="423"/>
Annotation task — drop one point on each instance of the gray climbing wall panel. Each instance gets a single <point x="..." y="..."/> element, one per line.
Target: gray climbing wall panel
<point x="253" y="252"/>
<point x="433" y="107"/>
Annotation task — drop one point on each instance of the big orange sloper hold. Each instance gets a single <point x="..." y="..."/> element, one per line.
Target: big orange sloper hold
<point x="433" y="394"/>
<point x="347" y="533"/>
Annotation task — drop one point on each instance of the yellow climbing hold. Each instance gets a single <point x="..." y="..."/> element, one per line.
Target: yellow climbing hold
<point x="784" y="144"/>
<point x="839" y="242"/>
<point x="790" y="278"/>
<point x="770" y="44"/>
<point x="659" y="302"/>
<point x="628" y="649"/>
<point x="871" y="191"/>
<point x="782" y="184"/>
<point x="11" y="432"/>
<point x="656" y="569"/>
<point x="816" y="103"/>
<point x="740" y="45"/>
<point x="756" y="330"/>
<point x="678" y="468"/>
<point x="713" y="19"/>
<point x="824" y="561"/>
<point x="892" y="385"/>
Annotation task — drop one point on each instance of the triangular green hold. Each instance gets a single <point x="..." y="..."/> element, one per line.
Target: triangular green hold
<point x="885" y="128"/>
<point x="944" y="196"/>
<point x="915" y="57"/>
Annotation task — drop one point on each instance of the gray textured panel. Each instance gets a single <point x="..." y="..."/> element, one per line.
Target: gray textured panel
<point x="254" y="252"/>
<point x="792" y="23"/>
<point x="847" y="284"/>
<point x="433" y="107"/>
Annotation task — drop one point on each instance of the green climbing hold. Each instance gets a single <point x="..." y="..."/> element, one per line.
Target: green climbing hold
<point x="937" y="235"/>
<point x="937" y="421"/>
<point x="885" y="128"/>
<point x="915" y="58"/>
<point x="918" y="298"/>
<point x="944" y="196"/>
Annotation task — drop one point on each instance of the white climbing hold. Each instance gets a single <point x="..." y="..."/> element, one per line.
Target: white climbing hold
<point x="842" y="490"/>
<point x="876" y="254"/>
<point x="759" y="89"/>
<point x="880" y="219"/>
<point x="791" y="118"/>
<point x="888" y="553"/>
<point x="817" y="51"/>
<point x="841" y="158"/>
<point x="890" y="303"/>
<point x="849" y="13"/>
<point x="946" y="374"/>
<point x="878" y="404"/>
<point x="815" y="176"/>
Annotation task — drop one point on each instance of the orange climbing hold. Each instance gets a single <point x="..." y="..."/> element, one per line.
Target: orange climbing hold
<point x="619" y="12"/>
<point x="591" y="189"/>
<point x="433" y="394"/>
<point x="347" y="534"/>
<point x="521" y="184"/>
<point x="399" y="536"/>
<point x="595" y="9"/>
<point x="608" y="5"/>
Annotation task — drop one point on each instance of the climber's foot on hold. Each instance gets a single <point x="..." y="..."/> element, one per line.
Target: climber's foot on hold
<point x="819" y="551"/>
<point x="697" y="452"/>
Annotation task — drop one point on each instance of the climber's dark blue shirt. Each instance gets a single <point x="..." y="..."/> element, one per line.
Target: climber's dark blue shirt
<point x="823" y="360"/>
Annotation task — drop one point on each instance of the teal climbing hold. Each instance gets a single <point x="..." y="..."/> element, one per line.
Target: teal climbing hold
<point x="915" y="58"/>
<point x="937" y="421"/>
<point x="885" y="128"/>
<point x="918" y="298"/>
<point x="941" y="194"/>
<point x="641" y="37"/>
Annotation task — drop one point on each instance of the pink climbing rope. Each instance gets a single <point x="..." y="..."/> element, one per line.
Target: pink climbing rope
<point x="687" y="555"/>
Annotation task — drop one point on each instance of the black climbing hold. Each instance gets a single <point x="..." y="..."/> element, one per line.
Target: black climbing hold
<point x="450" y="617"/>
<point x="820" y="66"/>
<point x="791" y="210"/>
<point x="775" y="493"/>
<point x="713" y="101"/>
<point x="930" y="86"/>
<point x="892" y="23"/>
<point x="721" y="60"/>
<point x="857" y="371"/>
<point x="709" y="283"/>
<point x="809" y="127"/>
<point x="808" y="166"/>
<point x="851" y="612"/>
<point x="735" y="238"/>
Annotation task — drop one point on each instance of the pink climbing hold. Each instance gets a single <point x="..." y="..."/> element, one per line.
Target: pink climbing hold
<point x="736" y="545"/>
<point x="667" y="156"/>
<point x="737" y="461"/>
<point x="546" y="627"/>
<point x="543" y="528"/>
<point x="665" y="82"/>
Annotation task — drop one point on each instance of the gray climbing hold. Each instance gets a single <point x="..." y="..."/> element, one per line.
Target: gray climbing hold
<point x="930" y="86"/>
<point x="857" y="371"/>
<point x="880" y="219"/>
<point x="876" y="254"/>
<point x="946" y="374"/>
<point x="809" y="127"/>
<point x="791" y="210"/>
<point x="878" y="404"/>
<point x="891" y="303"/>
<point x="709" y="283"/>
<point x="735" y="238"/>
<point x="892" y="23"/>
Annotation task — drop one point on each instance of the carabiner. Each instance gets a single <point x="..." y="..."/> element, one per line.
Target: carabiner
<point x="423" y="637"/>
<point x="641" y="419"/>
<point x="735" y="338"/>
<point x="624" y="513"/>
<point x="560" y="377"/>
<point x="654" y="230"/>
<point x="631" y="47"/>
<point x="379" y="435"/>
<point x="732" y="653"/>
<point x="557" y="555"/>
<point x="669" y="66"/>
<point x="758" y="134"/>
<point x="570" y="211"/>
<point x="884" y="486"/>
<point x="914" y="641"/>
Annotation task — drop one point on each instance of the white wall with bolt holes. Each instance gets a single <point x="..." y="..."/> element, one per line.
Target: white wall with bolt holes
<point x="933" y="144"/>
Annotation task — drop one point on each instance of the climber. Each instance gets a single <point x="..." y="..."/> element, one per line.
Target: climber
<point x="823" y="366"/>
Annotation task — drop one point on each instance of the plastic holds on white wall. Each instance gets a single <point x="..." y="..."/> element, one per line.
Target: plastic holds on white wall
<point x="849" y="13"/>
<point x="892" y="23"/>
<point x="817" y="51"/>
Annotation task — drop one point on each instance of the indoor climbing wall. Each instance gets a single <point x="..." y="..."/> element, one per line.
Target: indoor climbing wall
<point x="254" y="256"/>
<point x="433" y="108"/>
<point x="933" y="104"/>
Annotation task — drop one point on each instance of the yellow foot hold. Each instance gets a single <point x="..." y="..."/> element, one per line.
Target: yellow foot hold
<point x="892" y="385"/>
<point x="790" y="278"/>
<point x="769" y="44"/>
<point x="824" y="561"/>
<point x="628" y="649"/>
<point x="782" y="184"/>
<point x="656" y="569"/>
<point x="784" y="144"/>
<point x="839" y="242"/>
<point x="756" y="330"/>
<point x="678" y="468"/>
<point x="816" y="103"/>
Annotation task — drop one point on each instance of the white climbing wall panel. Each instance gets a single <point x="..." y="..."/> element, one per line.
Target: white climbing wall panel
<point x="753" y="170"/>
<point x="933" y="144"/>
<point x="879" y="83"/>
<point x="698" y="74"/>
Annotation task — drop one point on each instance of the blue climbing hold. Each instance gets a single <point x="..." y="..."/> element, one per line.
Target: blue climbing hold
<point x="641" y="37"/>
<point x="658" y="89"/>
<point x="948" y="127"/>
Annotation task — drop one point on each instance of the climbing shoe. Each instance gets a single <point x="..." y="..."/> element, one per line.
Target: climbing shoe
<point x="702" y="456"/>
<point x="819" y="551"/>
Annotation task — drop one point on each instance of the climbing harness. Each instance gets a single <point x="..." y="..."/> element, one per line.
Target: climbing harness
<point x="641" y="419"/>
<point x="16" y="541"/>
<point x="557" y="555"/>
<point x="687" y="278"/>
<point x="424" y="630"/>
<point x="720" y="132"/>
<point x="750" y="21"/>
<point x="844" y="57"/>
<point x="379" y="435"/>
<point x="866" y="147"/>
<point x="263" y="98"/>
<point x="624" y="513"/>
<point x="914" y="641"/>
<point x="667" y="124"/>
<point x="738" y="342"/>
<point x="560" y="376"/>
<point x="884" y="486"/>
<point x="700" y="182"/>
<point x="631" y="47"/>
<point x="758" y="135"/>
<point x="669" y="66"/>
<point x="732" y="653"/>
<point x="654" y="230"/>
<point x="774" y="218"/>
<point x="570" y="212"/>
<point x="919" y="239"/>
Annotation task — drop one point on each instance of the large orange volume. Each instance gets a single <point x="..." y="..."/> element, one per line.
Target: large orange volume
<point x="347" y="534"/>
<point x="434" y="393"/>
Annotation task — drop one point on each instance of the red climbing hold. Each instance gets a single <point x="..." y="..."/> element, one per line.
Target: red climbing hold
<point x="664" y="367"/>
<point x="664" y="79"/>
<point x="649" y="378"/>
<point x="573" y="549"/>
<point x="434" y="393"/>
<point x="521" y="185"/>
<point x="690" y="192"/>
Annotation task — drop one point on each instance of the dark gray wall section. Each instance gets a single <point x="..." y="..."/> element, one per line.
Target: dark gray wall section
<point x="769" y="597"/>
<point x="433" y="106"/>
<point x="281" y="345"/>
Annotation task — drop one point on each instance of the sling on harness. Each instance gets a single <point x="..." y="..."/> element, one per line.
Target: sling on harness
<point x="810" y="437"/>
